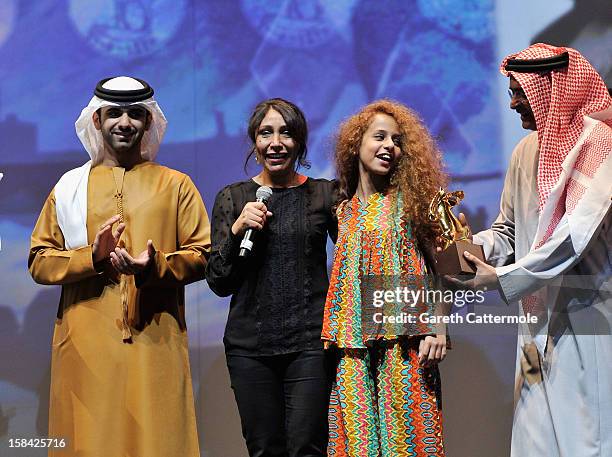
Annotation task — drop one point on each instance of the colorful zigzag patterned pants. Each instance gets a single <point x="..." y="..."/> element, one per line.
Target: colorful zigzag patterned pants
<point x="384" y="404"/>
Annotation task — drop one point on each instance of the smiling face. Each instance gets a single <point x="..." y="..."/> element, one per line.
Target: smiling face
<point x="122" y="127"/>
<point x="380" y="146"/>
<point x="275" y="147"/>
<point x="520" y="104"/>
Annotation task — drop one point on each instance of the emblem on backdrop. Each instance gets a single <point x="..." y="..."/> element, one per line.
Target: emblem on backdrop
<point x="298" y="24"/>
<point x="127" y="28"/>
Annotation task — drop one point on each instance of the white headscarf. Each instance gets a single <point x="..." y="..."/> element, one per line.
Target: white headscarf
<point x="92" y="138"/>
<point x="71" y="190"/>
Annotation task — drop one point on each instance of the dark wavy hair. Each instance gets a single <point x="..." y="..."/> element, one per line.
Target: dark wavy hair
<point x="418" y="174"/>
<point x="296" y="124"/>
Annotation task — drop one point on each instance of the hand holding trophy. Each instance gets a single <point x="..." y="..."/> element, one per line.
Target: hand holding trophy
<point x="455" y="236"/>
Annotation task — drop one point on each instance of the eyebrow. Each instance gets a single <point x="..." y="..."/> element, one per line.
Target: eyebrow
<point x="267" y="126"/>
<point x="126" y="108"/>
<point x="386" y="131"/>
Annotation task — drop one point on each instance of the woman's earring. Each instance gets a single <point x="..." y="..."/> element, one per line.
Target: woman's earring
<point x="257" y="158"/>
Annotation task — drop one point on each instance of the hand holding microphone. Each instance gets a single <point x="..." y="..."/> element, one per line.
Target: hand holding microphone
<point x="253" y="217"/>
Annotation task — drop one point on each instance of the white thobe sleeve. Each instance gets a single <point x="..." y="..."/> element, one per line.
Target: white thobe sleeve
<point x="537" y="268"/>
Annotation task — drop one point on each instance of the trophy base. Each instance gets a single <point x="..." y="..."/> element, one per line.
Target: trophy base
<point x="451" y="260"/>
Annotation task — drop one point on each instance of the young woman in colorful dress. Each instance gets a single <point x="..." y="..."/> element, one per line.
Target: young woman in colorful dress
<point x="386" y="395"/>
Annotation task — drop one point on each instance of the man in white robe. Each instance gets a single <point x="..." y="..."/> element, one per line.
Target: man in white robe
<point x="551" y="247"/>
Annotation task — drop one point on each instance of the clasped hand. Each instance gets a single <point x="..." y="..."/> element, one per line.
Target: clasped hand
<point x="105" y="246"/>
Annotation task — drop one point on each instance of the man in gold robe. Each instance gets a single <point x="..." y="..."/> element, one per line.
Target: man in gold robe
<point x="123" y="236"/>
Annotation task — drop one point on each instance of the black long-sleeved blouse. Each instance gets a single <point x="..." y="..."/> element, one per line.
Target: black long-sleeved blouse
<point x="278" y="292"/>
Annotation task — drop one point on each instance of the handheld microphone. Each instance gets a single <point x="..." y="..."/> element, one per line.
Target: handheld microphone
<point x="262" y="195"/>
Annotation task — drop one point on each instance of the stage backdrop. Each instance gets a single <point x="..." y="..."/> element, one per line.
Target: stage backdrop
<point x="210" y="62"/>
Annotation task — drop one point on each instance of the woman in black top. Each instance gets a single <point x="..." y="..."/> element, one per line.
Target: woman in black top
<point x="278" y="370"/>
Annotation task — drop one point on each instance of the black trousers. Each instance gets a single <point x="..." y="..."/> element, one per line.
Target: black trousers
<point x="283" y="402"/>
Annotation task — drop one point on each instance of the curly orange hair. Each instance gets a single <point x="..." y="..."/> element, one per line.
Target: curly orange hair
<point x="418" y="173"/>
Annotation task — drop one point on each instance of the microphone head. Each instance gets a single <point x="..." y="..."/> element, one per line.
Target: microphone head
<point x="263" y="193"/>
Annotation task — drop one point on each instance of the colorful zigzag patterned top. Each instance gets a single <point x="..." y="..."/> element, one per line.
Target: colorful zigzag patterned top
<point x="374" y="238"/>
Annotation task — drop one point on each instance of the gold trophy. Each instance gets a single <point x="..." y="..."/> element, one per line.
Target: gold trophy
<point x="455" y="236"/>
